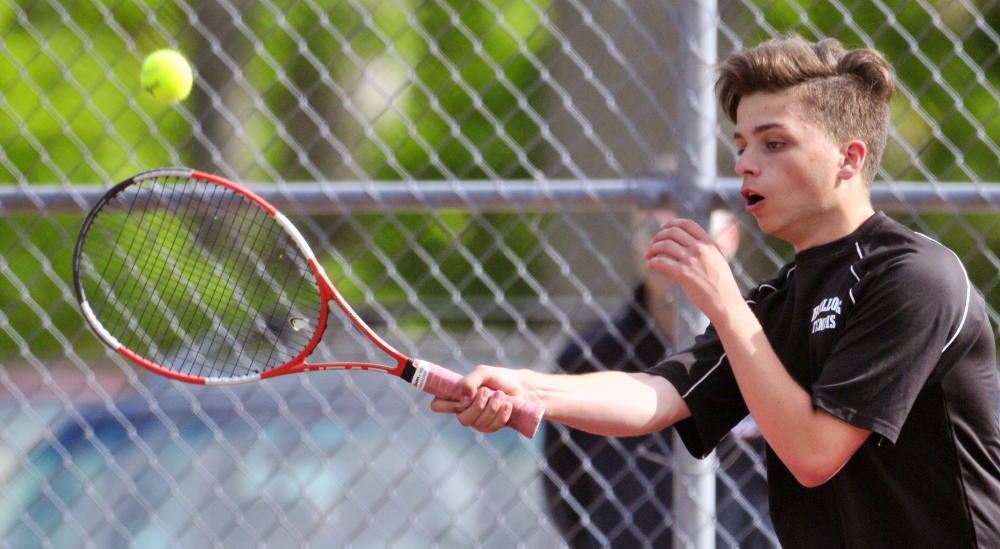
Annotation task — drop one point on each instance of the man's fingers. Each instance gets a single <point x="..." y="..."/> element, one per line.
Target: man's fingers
<point x="471" y="384"/>
<point x="665" y="248"/>
<point x="482" y="403"/>
<point x="443" y="406"/>
<point x="668" y="238"/>
<point x="678" y="238"/>
<point x="489" y="411"/>
<point x="690" y="227"/>
<point x="493" y="411"/>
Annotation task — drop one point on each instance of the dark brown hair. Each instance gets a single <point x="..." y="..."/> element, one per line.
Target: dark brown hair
<point x="845" y="92"/>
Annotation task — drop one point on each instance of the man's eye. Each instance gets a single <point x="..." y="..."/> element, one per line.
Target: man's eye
<point x="772" y="145"/>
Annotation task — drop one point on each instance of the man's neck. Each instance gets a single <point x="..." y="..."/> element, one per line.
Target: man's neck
<point x="835" y="227"/>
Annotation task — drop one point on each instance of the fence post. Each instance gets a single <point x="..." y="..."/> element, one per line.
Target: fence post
<point x="694" y="479"/>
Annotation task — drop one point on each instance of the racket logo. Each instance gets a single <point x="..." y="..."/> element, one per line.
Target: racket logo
<point x="298" y="323"/>
<point x="420" y="376"/>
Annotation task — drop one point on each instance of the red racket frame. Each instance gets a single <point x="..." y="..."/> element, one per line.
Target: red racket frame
<point x="426" y="376"/>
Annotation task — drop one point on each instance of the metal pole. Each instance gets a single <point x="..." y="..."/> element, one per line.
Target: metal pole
<point x="505" y="195"/>
<point x="694" y="479"/>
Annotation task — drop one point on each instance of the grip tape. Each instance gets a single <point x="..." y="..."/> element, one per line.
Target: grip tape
<point x="443" y="383"/>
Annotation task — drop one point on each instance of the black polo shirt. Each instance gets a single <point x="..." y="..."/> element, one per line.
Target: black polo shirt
<point x="885" y="331"/>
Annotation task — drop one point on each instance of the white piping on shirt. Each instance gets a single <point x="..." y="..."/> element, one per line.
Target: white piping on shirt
<point x="968" y="292"/>
<point x="704" y="377"/>
<point x="965" y="314"/>
<point x="850" y="291"/>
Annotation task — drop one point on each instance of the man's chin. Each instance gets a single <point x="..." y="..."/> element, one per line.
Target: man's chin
<point x="767" y="225"/>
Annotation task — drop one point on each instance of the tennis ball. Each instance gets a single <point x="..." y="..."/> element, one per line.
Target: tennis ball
<point x="166" y="76"/>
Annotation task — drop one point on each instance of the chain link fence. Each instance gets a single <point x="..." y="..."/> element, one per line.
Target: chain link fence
<point x="474" y="174"/>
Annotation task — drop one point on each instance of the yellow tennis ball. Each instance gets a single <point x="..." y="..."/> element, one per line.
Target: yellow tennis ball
<point x="166" y="76"/>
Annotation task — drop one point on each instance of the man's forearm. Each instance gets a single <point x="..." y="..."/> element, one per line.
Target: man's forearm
<point x="608" y="403"/>
<point x="813" y="444"/>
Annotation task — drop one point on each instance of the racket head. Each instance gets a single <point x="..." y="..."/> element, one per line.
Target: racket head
<point x="198" y="279"/>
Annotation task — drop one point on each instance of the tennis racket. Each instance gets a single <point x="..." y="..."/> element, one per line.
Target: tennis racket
<point x="198" y="279"/>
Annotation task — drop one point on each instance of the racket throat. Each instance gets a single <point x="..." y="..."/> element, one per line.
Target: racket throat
<point x="409" y="371"/>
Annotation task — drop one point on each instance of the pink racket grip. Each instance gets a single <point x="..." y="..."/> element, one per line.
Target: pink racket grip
<point x="443" y="383"/>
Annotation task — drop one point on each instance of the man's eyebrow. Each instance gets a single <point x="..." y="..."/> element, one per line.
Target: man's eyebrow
<point x="760" y="129"/>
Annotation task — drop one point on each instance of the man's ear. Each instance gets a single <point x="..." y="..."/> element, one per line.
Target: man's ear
<point x="853" y="156"/>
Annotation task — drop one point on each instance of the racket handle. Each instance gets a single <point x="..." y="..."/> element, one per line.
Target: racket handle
<point x="443" y="383"/>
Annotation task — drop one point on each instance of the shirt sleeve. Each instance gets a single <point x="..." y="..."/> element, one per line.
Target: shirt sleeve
<point x="704" y="379"/>
<point x="906" y="314"/>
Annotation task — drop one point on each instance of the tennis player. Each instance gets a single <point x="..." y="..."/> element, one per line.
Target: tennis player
<point x="868" y="363"/>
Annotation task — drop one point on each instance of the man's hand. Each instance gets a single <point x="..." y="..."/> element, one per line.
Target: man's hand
<point x="683" y="252"/>
<point x="484" y="405"/>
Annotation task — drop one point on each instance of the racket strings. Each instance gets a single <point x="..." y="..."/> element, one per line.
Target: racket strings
<point x="200" y="280"/>
<point x="270" y="291"/>
<point x="188" y="298"/>
<point x="141" y="284"/>
<point x="207" y="299"/>
<point x="141" y="275"/>
<point x="244" y="258"/>
<point x="229" y="264"/>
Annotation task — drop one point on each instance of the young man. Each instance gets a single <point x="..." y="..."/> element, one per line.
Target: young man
<point x="868" y="363"/>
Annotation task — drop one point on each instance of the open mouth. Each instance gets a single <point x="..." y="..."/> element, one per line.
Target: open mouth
<point x="752" y="198"/>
